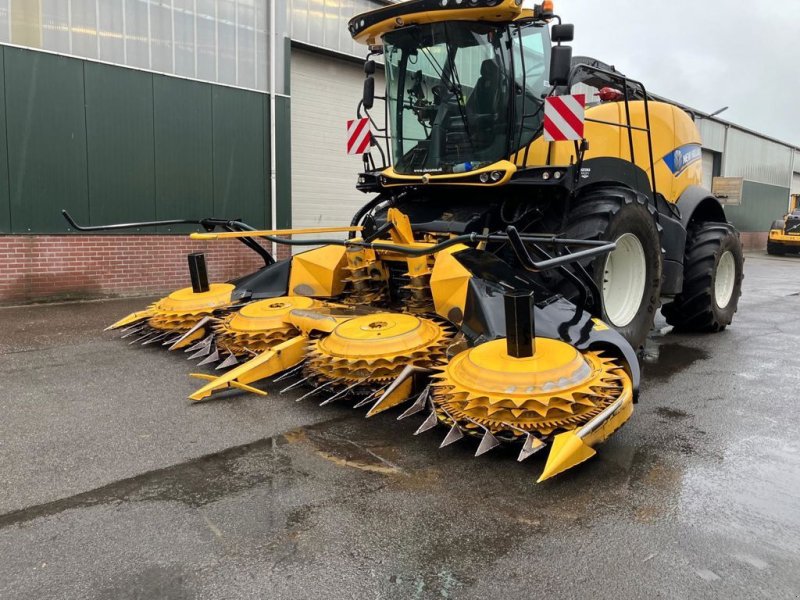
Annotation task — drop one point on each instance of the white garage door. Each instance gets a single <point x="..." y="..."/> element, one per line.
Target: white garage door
<point x="325" y="94"/>
<point x="796" y="183"/>
<point x="708" y="168"/>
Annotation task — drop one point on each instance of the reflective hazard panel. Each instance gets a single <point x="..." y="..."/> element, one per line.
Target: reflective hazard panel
<point x="563" y="117"/>
<point x="358" y="136"/>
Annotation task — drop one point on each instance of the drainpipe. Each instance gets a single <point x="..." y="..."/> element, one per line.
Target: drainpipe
<point x="791" y="174"/>
<point x="723" y="167"/>
<point x="273" y="161"/>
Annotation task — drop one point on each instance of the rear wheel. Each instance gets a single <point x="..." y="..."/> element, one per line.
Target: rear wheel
<point x="629" y="278"/>
<point x="713" y="269"/>
<point x="775" y="249"/>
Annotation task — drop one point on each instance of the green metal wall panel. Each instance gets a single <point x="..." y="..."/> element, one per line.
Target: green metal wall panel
<point x="183" y="149"/>
<point x="5" y="208"/>
<point x="46" y="135"/>
<point x="761" y="205"/>
<point x="283" y="154"/>
<point x="114" y="144"/>
<point x="119" y="131"/>
<point x="240" y="156"/>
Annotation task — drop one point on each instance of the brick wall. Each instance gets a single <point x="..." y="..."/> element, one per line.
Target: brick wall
<point x="754" y="240"/>
<point x="37" y="268"/>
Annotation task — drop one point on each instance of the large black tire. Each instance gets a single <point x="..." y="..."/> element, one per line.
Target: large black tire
<point x="775" y="249"/>
<point x="697" y="307"/>
<point x="607" y="214"/>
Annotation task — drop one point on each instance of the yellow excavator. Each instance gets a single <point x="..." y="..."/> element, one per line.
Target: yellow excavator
<point x="499" y="282"/>
<point x="784" y="234"/>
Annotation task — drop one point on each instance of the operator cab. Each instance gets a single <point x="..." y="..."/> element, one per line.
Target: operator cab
<point x="463" y="95"/>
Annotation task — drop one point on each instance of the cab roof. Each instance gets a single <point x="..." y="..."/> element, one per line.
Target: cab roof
<point x="367" y="28"/>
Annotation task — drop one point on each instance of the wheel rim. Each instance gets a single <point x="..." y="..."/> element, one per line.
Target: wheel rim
<point x="624" y="279"/>
<point x="725" y="279"/>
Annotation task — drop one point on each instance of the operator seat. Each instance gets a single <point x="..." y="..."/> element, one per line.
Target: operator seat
<point x="485" y="115"/>
<point x="483" y="99"/>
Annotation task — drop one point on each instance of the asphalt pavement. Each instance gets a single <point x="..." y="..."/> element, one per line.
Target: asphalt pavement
<point x="114" y="485"/>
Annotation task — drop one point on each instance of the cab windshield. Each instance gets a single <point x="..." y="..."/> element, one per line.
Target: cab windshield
<point x="462" y="95"/>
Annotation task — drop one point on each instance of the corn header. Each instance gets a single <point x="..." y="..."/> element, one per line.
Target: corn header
<point x="500" y="282"/>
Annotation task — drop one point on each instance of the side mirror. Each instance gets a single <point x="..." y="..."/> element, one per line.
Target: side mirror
<point x="562" y="33"/>
<point x="369" y="92"/>
<point x="560" y="65"/>
<point x="369" y="67"/>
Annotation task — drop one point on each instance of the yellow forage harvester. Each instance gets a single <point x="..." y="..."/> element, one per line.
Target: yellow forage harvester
<point x="510" y="263"/>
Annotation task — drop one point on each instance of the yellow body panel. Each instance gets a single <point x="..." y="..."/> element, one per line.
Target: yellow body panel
<point x="278" y="359"/>
<point x="670" y="128"/>
<point x="507" y="10"/>
<point x="776" y="235"/>
<point x="318" y="273"/>
<point x="449" y="285"/>
<point x="132" y="318"/>
<point x="571" y="448"/>
<point x="396" y="397"/>
<point x="508" y="168"/>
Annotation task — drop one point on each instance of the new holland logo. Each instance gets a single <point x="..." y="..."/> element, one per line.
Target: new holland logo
<point x="682" y="157"/>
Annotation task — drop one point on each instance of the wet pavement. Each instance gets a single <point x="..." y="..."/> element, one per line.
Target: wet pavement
<point x="113" y="485"/>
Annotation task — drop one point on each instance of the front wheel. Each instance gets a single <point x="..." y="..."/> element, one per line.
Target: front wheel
<point x="629" y="278"/>
<point x="713" y="270"/>
<point x="775" y="249"/>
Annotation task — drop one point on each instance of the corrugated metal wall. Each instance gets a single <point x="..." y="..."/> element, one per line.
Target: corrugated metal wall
<point x="323" y="23"/>
<point x="212" y="40"/>
<point x="761" y="205"/>
<point x="712" y="133"/>
<point x="757" y="159"/>
<point x="115" y="144"/>
<point x="323" y="174"/>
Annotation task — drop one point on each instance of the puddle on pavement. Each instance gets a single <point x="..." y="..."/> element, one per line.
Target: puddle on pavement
<point x="408" y="478"/>
<point x="671" y="413"/>
<point x="371" y="456"/>
<point x="208" y="478"/>
<point x="663" y="359"/>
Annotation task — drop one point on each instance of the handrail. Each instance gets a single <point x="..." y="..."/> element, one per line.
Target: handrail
<point x="209" y="224"/>
<point x="627" y="84"/>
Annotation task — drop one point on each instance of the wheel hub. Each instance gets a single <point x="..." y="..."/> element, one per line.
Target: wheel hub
<point x="725" y="279"/>
<point x="624" y="278"/>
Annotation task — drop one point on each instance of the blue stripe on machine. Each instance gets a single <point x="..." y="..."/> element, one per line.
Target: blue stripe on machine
<point x="682" y="157"/>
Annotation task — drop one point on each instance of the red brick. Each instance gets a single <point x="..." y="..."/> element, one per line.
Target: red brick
<point x="38" y="267"/>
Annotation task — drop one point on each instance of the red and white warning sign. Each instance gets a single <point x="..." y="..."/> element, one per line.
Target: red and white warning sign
<point x="358" y="136"/>
<point x="563" y="117"/>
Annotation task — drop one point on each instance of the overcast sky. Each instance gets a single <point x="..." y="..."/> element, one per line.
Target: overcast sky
<point x="706" y="54"/>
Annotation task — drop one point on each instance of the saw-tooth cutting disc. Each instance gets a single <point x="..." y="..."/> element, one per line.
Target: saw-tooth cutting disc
<point x="558" y="387"/>
<point x="183" y="308"/>
<point x="375" y="348"/>
<point x="259" y="326"/>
